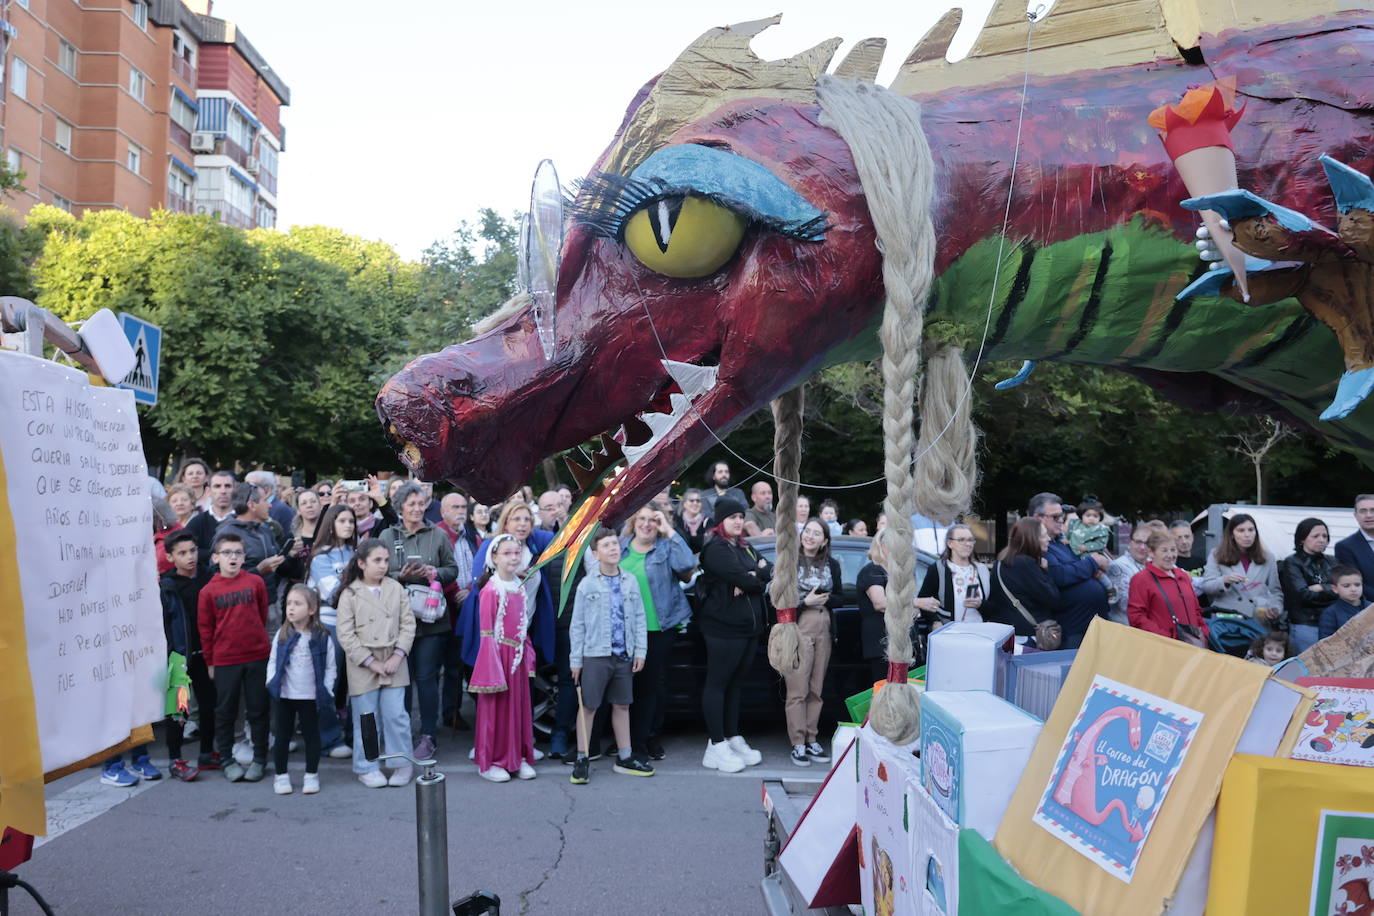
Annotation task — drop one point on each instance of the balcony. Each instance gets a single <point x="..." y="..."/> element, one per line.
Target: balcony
<point x="268" y="182"/>
<point x="181" y="136"/>
<point x="225" y="212"/>
<point x="178" y="204"/>
<point x="236" y="152"/>
<point x="182" y="68"/>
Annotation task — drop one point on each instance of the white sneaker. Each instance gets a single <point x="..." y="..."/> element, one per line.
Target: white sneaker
<point x="472" y="754"/>
<point x="311" y="784"/>
<point x="721" y="757"/>
<point x="373" y="779"/>
<point x="495" y="774"/>
<point x="400" y="776"/>
<point x="189" y="729"/>
<point x="282" y="784"/>
<point x="526" y="771"/>
<point x="293" y="746"/>
<point x="744" y="752"/>
<point x="340" y="751"/>
<point x="243" y="753"/>
<point x="538" y="755"/>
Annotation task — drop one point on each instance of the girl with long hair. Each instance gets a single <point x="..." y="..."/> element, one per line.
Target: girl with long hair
<point x="818" y="591"/>
<point x="1241" y="576"/>
<point x="300" y="680"/>
<point x="956" y="584"/>
<point x="1020" y="574"/>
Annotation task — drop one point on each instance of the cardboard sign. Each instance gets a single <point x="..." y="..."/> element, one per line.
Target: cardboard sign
<point x="820" y="857"/>
<point x="934" y="860"/>
<point x="969" y="656"/>
<point x="885" y="878"/>
<point x="1113" y="772"/>
<point x="1225" y="691"/>
<point x="1343" y="876"/>
<point x="1339" y="727"/>
<point x="1282" y="828"/>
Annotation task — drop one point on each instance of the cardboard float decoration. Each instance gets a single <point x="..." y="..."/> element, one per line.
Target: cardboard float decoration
<point x="934" y="860"/>
<point x="886" y="882"/>
<point x="1113" y="806"/>
<point x="1293" y="836"/>
<point x="1339" y="726"/>
<point x="969" y="656"/>
<point x="974" y="746"/>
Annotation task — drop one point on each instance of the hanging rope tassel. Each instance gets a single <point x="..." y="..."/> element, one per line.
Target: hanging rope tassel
<point x="895" y="167"/>
<point x="947" y="471"/>
<point x="784" y="641"/>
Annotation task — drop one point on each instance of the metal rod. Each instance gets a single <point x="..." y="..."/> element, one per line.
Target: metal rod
<point x="20" y="316"/>
<point x="431" y="839"/>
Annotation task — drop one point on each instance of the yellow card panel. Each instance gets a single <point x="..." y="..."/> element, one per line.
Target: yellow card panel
<point x="1222" y="688"/>
<point x="1267" y="823"/>
<point x="21" y="764"/>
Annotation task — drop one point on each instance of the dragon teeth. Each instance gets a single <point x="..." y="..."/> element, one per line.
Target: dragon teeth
<point x="692" y="379"/>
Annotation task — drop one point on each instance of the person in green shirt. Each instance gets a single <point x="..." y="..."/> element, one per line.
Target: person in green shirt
<point x="656" y="555"/>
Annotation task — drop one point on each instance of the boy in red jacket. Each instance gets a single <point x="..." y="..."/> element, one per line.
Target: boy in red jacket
<point x="232" y="619"/>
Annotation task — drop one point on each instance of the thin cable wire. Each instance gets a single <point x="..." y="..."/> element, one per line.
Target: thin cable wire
<point x="987" y="322"/>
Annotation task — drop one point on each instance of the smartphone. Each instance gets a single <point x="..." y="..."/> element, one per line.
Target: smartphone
<point x="298" y="479"/>
<point x="352" y="486"/>
<point x="414" y="558"/>
<point x="975" y="590"/>
<point x="286" y="548"/>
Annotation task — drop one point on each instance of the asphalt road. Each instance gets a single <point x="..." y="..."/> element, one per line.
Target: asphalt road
<point x="686" y="841"/>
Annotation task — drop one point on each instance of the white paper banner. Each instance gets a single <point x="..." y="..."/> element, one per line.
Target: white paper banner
<point x="78" y="494"/>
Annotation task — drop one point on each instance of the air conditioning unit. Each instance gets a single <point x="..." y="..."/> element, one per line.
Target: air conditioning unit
<point x="202" y="141"/>
<point x="251" y="165"/>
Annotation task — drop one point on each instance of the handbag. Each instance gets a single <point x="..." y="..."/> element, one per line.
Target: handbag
<point x="1183" y="632"/>
<point x="1049" y="635"/>
<point x="418" y="598"/>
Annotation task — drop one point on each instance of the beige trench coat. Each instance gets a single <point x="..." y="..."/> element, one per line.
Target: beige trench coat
<point x="374" y="626"/>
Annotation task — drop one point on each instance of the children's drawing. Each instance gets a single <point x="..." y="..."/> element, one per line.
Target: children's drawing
<point x="1339" y="728"/>
<point x="1343" y="869"/>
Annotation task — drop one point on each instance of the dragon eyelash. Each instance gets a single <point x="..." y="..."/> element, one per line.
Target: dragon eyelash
<point x="604" y="201"/>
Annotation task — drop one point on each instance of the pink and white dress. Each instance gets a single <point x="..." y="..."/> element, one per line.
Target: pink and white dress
<point x="500" y="677"/>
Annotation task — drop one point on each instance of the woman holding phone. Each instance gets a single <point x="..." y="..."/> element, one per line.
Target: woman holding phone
<point x="956" y="584"/>
<point x="306" y="524"/>
<point x="818" y="590"/>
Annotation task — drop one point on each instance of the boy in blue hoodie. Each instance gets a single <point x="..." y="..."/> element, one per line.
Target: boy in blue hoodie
<point x="1349" y="585"/>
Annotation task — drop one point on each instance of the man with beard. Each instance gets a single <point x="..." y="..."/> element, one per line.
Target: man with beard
<point x="718" y="485"/>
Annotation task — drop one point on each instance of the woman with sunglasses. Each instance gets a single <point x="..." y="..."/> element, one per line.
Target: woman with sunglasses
<point x="691" y="520"/>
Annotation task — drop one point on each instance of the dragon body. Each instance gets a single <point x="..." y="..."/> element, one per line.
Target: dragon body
<point x="1095" y="249"/>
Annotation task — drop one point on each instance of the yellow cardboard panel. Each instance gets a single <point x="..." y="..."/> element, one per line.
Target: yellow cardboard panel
<point x="1222" y="688"/>
<point x="1267" y="822"/>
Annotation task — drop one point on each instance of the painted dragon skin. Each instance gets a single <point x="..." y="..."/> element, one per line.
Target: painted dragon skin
<point x="1095" y="251"/>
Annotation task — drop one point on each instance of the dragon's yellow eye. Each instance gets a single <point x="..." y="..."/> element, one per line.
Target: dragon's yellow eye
<point x="684" y="236"/>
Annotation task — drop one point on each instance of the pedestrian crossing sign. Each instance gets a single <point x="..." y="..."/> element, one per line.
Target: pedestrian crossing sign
<point x="146" y="339"/>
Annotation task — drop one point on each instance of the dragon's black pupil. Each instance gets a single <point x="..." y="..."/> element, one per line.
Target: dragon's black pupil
<point x="663" y="216"/>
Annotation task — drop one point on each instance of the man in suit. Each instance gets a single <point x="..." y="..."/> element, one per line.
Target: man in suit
<point x="1357" y="550"/>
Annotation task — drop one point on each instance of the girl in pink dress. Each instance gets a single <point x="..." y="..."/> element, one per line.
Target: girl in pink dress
<point x="505" y="663"/>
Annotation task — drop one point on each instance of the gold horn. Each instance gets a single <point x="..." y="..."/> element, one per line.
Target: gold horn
<point x="863" y="60"/>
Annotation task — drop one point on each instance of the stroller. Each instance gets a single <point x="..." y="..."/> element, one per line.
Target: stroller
<point x="1232" y="634"/>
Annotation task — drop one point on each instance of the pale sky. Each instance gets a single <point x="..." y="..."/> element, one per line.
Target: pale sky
<point x="405" y="120"/>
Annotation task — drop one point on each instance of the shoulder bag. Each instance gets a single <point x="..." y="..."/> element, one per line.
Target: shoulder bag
<point x="1049" y="635"/>
<point x="1183" y="632"/>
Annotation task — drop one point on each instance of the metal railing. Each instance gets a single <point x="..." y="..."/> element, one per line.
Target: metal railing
<point x="181" y="136"/>
<point x="182" y="68"/>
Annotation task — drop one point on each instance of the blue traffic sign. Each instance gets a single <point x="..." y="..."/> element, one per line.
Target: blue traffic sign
<point x="146" y="339"/>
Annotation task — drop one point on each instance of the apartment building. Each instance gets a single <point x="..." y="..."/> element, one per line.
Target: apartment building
<point x="138" y="105"/>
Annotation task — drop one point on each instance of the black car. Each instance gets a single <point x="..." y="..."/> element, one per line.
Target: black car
<point x="763" y="692"/>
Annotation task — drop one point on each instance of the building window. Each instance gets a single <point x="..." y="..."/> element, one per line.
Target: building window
<point x="62" y="138"/>
<point x="239" y="195"/>
<point x="66" y="57"/>
<point x="141" y="14"/>
<point x="267" y="159"/>
<point x="177" y="185"/>
<point x="138" y="83"/>
<point x="19" y="78"/>
<point x="240" y="131"/>
<point x="61" y="203"/>
<point x="267" y="217"/>
<point x="13" y="161"/>
<point x="23" y="3"/>
<point x="135" y="159"/>
<point x="183" y="114"/>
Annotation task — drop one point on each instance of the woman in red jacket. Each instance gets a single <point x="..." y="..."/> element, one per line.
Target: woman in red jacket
<point x="1162" y="596"/>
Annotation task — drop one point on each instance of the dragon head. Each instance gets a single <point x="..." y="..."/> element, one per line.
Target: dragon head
<point x="722" y="249"/>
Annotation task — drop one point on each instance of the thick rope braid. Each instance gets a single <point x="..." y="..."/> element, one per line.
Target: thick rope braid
<point x="947" y="471"/>
<point x="784" y="642"/>
<point x="893" y="160"/>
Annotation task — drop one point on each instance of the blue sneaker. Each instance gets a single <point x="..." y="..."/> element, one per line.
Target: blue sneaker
<point x="144" y="768"/>
<point x="558" y="745"/>
<point x="117" y="775"/>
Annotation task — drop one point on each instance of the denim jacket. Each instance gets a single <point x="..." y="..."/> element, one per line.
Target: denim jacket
<point x="664" y="560"/>
<point x="589" y="633"/>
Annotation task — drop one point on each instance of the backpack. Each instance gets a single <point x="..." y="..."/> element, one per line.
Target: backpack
<point x="1233" y="635"/>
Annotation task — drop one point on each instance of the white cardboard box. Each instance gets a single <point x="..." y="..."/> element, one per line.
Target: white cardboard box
<point x="885" y="880"/>
<point x="969" y="656"/>
<point x="974" y="746"/>
<point x="934" y="854"/>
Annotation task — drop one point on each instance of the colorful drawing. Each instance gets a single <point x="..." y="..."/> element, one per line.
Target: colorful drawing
<point x="940" y="765"/>
<point x="1113" y="772"/>
<point x="884" y="896"/>
<point x="1343" y="869"/>
<point x="1339" y="728"/>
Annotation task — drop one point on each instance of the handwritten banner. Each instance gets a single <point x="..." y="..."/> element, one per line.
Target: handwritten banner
<point x="77" y="490"/>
